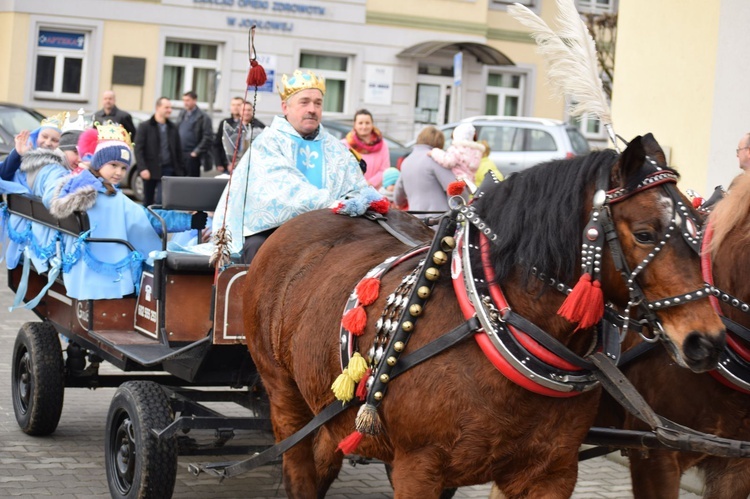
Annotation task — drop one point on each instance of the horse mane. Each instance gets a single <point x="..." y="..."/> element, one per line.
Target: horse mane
<point x="730" y="212"/>
<point x="538" y="215"/>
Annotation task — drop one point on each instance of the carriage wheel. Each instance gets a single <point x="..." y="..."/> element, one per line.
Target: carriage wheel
<point x="139" y="465"/>
<point x="38" y="383"/>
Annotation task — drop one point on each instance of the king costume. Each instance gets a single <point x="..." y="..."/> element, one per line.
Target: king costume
<point x="284" y="175"/>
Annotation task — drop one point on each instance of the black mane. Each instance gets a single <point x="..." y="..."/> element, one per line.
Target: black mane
<point x="538" y="215"/>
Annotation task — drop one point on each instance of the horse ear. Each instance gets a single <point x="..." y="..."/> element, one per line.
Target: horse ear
<point x="654" y="150"/>
<point x="630" y="162"/>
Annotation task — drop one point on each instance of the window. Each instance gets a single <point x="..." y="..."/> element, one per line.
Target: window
<point x="596" y="6"/>
<point x="504" y="94"/>
<point x="335" y="70"/>
<point x="60" y="64"/>
<point x="505" y="3"/>
<point x="539" y="140"/>
<point x="189" y="66"/>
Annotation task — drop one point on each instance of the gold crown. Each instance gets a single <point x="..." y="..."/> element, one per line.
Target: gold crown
<point x="113" y="131"/>
<point x="55" y="121"/>
<point x="300" y="81"/>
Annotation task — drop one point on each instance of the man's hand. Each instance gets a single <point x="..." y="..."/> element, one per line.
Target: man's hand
<point x="220" y="168"/>
<point x="145" y="174"/>
<point x="22" y="143"/>
<point x="193" y="154"/>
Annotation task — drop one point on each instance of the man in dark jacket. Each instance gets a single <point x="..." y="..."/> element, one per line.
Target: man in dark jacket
<point x="110" y="112"/>
<point x="220" y="156"/>
<point x="158" y="151"/>
<point x="196" y="135"/>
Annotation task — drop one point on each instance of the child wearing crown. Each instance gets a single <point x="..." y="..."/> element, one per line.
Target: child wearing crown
<point x="110" y="270"/>
<point x="34" y="168"/>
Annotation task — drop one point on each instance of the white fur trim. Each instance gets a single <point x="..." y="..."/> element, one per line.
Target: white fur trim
<point x="468" y="143"/>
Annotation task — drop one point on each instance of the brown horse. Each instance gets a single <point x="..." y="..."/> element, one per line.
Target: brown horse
<point x="454" y="420"/>
<point x="702" y="403"/>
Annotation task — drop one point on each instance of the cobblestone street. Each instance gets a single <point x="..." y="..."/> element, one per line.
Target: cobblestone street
<point x="70" y="463"/>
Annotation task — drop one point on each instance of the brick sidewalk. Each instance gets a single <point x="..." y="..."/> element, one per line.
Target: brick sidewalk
<point x="70" y="463"/>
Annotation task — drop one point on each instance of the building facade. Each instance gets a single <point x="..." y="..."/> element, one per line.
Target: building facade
<point x="681" y="74"/>
<point x="411" y="63"/>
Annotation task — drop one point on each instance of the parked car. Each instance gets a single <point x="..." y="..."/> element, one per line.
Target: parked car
<point x="339" y="129"/>
<point x="519" y="143"/>
<point x="13" y="119"/>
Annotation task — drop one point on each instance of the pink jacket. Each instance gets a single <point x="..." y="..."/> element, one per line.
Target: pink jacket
<point x="377" y="163"/>
<point x="462" y="158"/>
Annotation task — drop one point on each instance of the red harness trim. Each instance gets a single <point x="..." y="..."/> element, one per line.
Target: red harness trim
<point x="732" y="342"/>
<point x="486" y="344"/>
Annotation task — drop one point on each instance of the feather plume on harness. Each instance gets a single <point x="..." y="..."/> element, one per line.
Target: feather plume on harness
<point x="570" y="54"/>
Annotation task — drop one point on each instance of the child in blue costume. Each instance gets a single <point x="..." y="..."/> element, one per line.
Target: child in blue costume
<point x="109" y="270"/>
<point x="41" y="167"/>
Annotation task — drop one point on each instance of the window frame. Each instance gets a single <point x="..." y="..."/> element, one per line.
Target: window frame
<point x="90" y="77"/>
<point x="503" y="92"/>
<point x="534" y="5"/>
<point x="591" y="7"/>
<point x="346" y="75"/>
<point x="189" y="65"/>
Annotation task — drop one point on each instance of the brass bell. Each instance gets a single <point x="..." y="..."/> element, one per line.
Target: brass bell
<point x="384" y="378"/>
<point x="424" y="292"/>
<point x="407" y="326"/>
<point x="432" y="274"/>
<point x="448" y="243"/>
<point x="439" y="258"/>
<point x="398" y="346"/>
<point x="415" y="310"/>
<point x="391" y="361"/>
<point x="378" y="396"/>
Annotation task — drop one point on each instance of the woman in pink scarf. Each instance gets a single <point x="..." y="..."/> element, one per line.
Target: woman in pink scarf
<point x="367" y="140"/>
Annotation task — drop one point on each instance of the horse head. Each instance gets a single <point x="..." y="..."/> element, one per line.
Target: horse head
<point x="654" y="225"/>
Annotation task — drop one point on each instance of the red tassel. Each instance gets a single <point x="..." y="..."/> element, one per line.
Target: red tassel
<point x="584" y="304"/>
<point x="381" y="206"/>
<point x="350" y="443"/>
<point x="456" y="188"/>
<point x="361" y="391"/>
<point x="368" y="290"/>
<point x="256" y="77"/>
<point x="337" y="209"/>
<point x="593" y="310"/>
<point x="355" y="320"/>
<point x="697" y="202"/>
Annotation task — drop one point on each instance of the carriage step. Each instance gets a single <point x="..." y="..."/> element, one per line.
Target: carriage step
<point x="146" y="351"/>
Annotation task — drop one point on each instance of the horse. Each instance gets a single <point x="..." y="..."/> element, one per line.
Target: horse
<point x="454" y="420"/>
<point x="704" y="402"/>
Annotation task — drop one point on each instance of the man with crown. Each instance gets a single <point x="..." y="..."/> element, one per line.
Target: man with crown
<point x="293" y="167"/>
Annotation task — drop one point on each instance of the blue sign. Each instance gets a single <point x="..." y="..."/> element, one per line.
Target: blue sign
<point x="269" y="85"/>
<point x="458" y="63"/>
<point x="60" y="40"/>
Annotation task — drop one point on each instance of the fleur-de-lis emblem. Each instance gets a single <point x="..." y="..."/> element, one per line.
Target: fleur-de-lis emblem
<point x="309" y="155"/>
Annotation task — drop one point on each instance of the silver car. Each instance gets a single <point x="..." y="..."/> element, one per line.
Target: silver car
<point x="519" y="143"/>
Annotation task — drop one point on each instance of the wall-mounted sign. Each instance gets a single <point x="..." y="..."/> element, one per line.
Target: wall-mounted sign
<point x="378" y="85"/>
<point x="247" y="23"/>
<point x="61" y="40"/>
<point x="270" y="6"/>
<point x="269" y="64"/>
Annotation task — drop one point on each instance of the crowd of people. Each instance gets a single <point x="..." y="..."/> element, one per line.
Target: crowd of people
<point x="295" y="166"/>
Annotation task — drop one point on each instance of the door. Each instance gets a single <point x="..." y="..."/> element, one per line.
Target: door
<point x="433" y="101"/>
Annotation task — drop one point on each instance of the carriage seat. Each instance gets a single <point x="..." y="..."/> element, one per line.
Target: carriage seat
<point x="190" y="194"/>
<point x="31" y="207"/>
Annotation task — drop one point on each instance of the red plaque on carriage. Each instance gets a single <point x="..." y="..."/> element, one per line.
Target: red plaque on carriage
<point x="146" y="308"/>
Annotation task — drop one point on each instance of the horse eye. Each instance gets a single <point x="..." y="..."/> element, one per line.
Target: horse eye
<point x="644" y="237"/>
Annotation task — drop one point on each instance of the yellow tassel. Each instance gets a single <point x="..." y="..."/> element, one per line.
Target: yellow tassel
<point x="343" y="387"/>
<point x="357" y="367"/>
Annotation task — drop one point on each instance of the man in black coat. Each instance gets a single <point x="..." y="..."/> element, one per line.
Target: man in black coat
<point x="196" y="135"/>
<point x="110" y="112"/>
<point x="220" y="156"/>
<point x="158" y="151"/>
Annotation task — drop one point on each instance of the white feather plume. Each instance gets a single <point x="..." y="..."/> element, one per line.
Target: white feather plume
<point x="571" y="56"/>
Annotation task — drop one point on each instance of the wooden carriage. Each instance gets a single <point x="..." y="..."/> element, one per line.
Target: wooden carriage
<point x="179" y="334"/>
